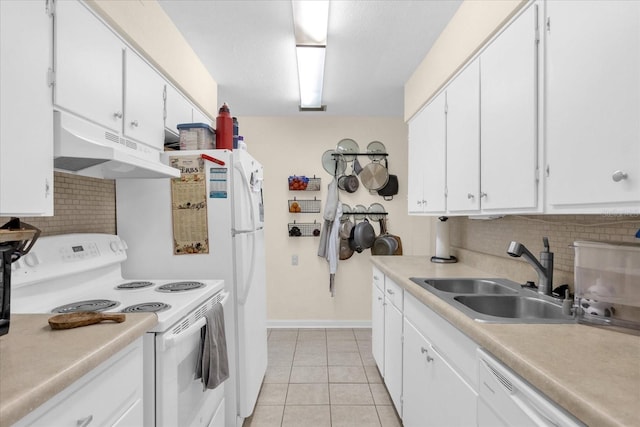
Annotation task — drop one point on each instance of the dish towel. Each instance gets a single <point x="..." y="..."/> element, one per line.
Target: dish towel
<point x="213" y="363"/>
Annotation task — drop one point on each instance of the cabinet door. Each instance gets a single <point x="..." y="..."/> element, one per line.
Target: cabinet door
<point x="508" y="82"/>
<point x="593" y="105"/>
<point x="88" y="66"/>
<point x="417" y="158"/>
<point x="143" y="102"/>
<point x="433" y="394"/>
<point x="427" y="158"/>
<point x="393" y="353"/>
<point x="200" y="117"/>
<point x="377" y="327"/>
<point x="178" y="109"/>
<point x="463" y="141"/>
<point x="434" y="163"/>
<point x="26" y="119"/>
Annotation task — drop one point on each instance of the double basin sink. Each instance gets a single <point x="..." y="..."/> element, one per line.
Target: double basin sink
<point x="496" y="300"/>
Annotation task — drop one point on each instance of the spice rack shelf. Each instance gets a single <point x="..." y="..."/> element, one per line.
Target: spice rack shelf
<point x="304" y="206"/>
<point x="303" y="183"/>
<point x="304" y="229"/>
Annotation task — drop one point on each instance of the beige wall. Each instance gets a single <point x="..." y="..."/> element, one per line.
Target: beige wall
<point x="146" y="26"/>
<point x="299" y="295"/>
<point x="471" y="27"/>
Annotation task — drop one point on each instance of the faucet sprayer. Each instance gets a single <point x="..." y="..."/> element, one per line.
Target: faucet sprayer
<point x="544" y="268"/>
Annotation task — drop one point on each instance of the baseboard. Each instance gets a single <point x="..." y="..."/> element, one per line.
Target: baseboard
<point x="327" y="324"/>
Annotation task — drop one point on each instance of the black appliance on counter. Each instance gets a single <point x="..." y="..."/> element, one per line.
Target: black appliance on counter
<point x="16" y="239"/>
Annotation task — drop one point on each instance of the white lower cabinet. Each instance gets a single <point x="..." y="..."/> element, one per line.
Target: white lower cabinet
<point x="377" y="327"/>
<point x="109" y="395"/>
<point x="439" y="370"/>
<point x="393" y="354"/>
<point x="386" y="333"/>
<point x="434" y="393"/>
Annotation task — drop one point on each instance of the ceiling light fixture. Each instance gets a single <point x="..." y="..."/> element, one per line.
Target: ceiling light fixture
<point x="310" y="21"/>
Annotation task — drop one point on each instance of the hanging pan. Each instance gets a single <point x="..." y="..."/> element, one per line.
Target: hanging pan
<point x="374" y="176"/>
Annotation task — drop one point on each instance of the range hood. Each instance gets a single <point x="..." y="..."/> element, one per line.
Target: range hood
<point x="83" y="148"/>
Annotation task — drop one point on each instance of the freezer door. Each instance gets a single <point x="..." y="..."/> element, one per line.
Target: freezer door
<point x="247" y="193"/>
<point x="251" y="318"/>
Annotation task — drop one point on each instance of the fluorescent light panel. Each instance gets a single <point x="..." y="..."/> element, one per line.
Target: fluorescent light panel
<point x="310" y="19"/>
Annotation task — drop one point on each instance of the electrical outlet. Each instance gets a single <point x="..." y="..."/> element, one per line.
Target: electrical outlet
<point x="294" y="259"/>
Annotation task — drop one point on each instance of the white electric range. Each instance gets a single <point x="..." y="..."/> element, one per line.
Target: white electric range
<point x="82" y="272"/>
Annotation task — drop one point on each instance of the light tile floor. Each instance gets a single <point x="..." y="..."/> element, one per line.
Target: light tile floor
<point x="322" y="378"/>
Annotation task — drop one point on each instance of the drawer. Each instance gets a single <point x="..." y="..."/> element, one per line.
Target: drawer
<point x="378" y="278"/>
<point x="110" y="394"/>
<point x="393" y="293"/>
<point x="455" y="346"/>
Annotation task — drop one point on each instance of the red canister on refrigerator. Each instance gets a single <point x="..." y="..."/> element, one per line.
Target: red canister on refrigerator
<point x="224" y="129"/>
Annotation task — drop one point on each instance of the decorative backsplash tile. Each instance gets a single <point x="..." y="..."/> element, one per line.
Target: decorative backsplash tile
<point x="493" y="236"/>
<point x="81" y="205"/>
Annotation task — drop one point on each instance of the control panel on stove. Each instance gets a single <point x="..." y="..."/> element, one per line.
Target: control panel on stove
<point x="54" y="256"/>
<point x="79" y="252"/>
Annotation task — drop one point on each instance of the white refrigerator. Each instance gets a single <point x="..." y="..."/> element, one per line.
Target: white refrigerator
<point x="234" y="227"/>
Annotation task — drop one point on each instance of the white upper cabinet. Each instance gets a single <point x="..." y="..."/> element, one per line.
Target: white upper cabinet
<point x="88" y="66"/>
<point x="143" y="102"/>
<point x="508" y="81"/>
<point x="98" y="77"/>
<point x="463" y="141"/>
<point x="593" y="106"/>
<point x="26" y="119"/>
<point x="427" y="159"/>
<point x="177" y="109"/>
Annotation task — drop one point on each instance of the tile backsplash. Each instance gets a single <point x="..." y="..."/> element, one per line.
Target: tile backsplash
<point x="493" y="236"/>
<point x="81" y="205"/>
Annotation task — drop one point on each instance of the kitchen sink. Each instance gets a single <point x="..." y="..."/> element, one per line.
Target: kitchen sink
<point x="495" y="300"/>
<point x="511" y="306"/>
<point x="467" y="286"/>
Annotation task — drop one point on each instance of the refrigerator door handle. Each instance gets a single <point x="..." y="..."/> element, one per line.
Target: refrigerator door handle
<point x="235" y="232"/>
<point x="242" y="299"/>
<point x="247" y="186"/>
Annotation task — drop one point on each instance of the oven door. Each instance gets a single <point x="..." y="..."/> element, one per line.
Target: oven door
<point x="181" y="399"/>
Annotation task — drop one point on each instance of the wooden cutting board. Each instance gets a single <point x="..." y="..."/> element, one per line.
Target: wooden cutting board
<point x="82" y="318"/>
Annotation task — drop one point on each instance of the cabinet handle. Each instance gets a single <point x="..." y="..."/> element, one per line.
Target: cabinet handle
<point x="379" y="298"/>
<point x="390" y="292"/>
<point x="483" y="194"/>
<point x="423" y="351"/>
<point x="84" y="422"/>
<point x="117" y="114"/>
<point x="470" y="196"/>
<point x="619" y="176"/>
<point x="134" y="124"/>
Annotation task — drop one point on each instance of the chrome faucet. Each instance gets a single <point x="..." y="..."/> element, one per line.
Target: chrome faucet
<point x="544" y="268"/>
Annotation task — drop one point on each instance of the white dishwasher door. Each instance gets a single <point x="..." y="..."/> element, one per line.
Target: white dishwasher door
<point x="507" y="400"/>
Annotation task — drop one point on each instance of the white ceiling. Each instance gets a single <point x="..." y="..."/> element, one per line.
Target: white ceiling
<point x="373" y="48"/>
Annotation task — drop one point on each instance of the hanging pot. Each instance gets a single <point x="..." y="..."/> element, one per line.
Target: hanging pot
<point x="390" y="189"/>
<point x="363" y="236"/>
<point x="345" y="229"/>
<point x="385" y="244"/>
<point x="348" y="183"/>
<point x="345" y="250"/>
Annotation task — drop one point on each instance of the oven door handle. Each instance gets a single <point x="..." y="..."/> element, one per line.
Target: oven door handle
<point x="176" y="339"/>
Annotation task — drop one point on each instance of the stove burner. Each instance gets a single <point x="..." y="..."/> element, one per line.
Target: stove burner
<point x="88" y="305"/>
<point x="179" y="286"/>
<point x="147" y="307"/>
<point x="135" y="285"/>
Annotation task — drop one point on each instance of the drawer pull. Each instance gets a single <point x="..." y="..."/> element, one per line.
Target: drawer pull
<point x="390" y="292"/>
<point x="84" y="422"/>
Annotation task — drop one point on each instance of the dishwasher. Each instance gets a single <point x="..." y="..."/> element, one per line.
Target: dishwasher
<point x="507" y="400"/>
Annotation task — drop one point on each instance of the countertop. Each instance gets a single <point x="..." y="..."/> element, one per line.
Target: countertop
<point x="592" y="372"/>
<point x="37" y="362"/>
